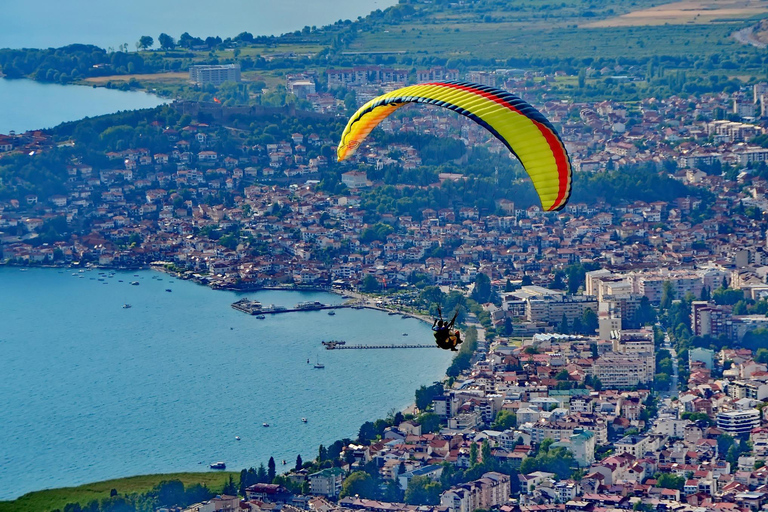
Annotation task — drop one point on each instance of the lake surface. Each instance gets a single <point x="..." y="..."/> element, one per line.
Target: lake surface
<point x="28" y="105"/>
<point x="54" y="23"/>
<point x="91" y="391"/>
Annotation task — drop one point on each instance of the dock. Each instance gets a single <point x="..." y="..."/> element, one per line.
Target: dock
<point x="374" y="347"/>
<point x="253" y="307"/>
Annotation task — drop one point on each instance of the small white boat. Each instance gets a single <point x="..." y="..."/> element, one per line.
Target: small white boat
<point x="303" y="420"/>
<point x="127" y="306"/>
<point x="265" y="424"/>
<point x="237" y="438"/>
<point x="218" y="465"/>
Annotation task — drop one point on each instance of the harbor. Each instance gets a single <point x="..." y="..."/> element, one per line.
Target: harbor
<point x="254" y="307"/>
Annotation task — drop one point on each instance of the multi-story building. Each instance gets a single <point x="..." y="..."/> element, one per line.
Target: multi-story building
<point x="489" y="491"/>
<point x="582" y="444"/>
<point x="482" y="77"/>
<point x="747" y="389"/>
<point x="710" y="320"/>
<point x="326" y="482"/>
<point x="364" y="75"/>
<point x="622" y="307"/>
<point x="634" y="445"/>
<point x="214" y="74"/>
<point x="436" y="73"/>
<point x="738" y="422"/>
<point x="621" y="371"/>
<point x="354" y="179"/>
<point x="562" y="430"/>
<point x="733" y="131"/>
<point x="552" y="309"/>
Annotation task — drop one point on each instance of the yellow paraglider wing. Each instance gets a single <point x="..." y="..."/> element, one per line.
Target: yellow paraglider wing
<point x="522" y="128"/>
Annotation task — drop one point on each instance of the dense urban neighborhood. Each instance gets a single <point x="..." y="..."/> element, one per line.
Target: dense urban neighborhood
<point x="617" y="351"/>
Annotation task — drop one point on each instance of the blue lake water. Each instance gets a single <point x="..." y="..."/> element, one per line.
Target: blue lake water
<point x="91" y="391"/>
<point x="53" y="23"/>
<point x="28" y="105"/>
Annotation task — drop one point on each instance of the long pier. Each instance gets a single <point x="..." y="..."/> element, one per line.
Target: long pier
<point x="375" y="347"/>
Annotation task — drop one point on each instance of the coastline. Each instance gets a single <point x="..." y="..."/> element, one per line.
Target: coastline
<point x="381" y="413"/>
<point x="369" y="300"/>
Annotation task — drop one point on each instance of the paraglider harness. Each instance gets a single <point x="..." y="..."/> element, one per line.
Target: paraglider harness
<point x="444" y="338"/>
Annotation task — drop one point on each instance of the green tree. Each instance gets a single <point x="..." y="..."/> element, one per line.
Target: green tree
<point x="425" y="395"/>
<point x="146" y="42"/>
<point x="485" y="452"/>
<point x="166" y="41"/>
<point x="473" y="454"/>
<point x="667" y="295"/>
<point x="299" y="462"/>
<point x="670" y="481"/>
<point x="553" y="460"/>
<point x="229" y="487"/>
<point x="359" y="483"/>
<point x="429" y="422"/>
<point x="724" y="443"/>
<point x="422" y="491"/>
<point x="482" y="289"/>
<point x="504" y="419"/>
<point x="271" y="471"/>
<point x="370" y="284"/>
<point x="367" y="433"/>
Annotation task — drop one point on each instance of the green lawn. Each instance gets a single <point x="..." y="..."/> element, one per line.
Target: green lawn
<point x="50" y="499"/>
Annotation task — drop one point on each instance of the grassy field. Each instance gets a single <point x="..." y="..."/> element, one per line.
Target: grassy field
<point x="50" y="499"/>
<point x="154" y="77"/>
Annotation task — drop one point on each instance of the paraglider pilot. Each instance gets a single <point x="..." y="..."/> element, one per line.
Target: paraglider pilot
<point x="442" y="331"/>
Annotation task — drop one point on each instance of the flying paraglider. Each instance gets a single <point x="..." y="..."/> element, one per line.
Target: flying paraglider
<point x="522" y="129"/>
<point x="444" y="336"/>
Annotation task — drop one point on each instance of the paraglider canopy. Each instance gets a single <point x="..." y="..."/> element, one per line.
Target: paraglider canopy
<point x="522" y="129"/>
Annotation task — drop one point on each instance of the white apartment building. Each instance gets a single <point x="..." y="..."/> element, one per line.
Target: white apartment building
<point x="214" y="75"/>
<point x="619" y="371"/>
<point x="738" y="422"/>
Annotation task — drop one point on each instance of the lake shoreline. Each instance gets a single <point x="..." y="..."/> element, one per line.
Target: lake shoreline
<point x="223" y="304"/>
<point x="238" y="289"/>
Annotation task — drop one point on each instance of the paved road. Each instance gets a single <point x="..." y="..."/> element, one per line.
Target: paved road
<point x="675" y="375"/>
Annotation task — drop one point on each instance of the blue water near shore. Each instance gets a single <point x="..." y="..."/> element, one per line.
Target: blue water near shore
<point x="91" y="391"/>
<point x="53" y="23"/>
<point x="28" y="105"/>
